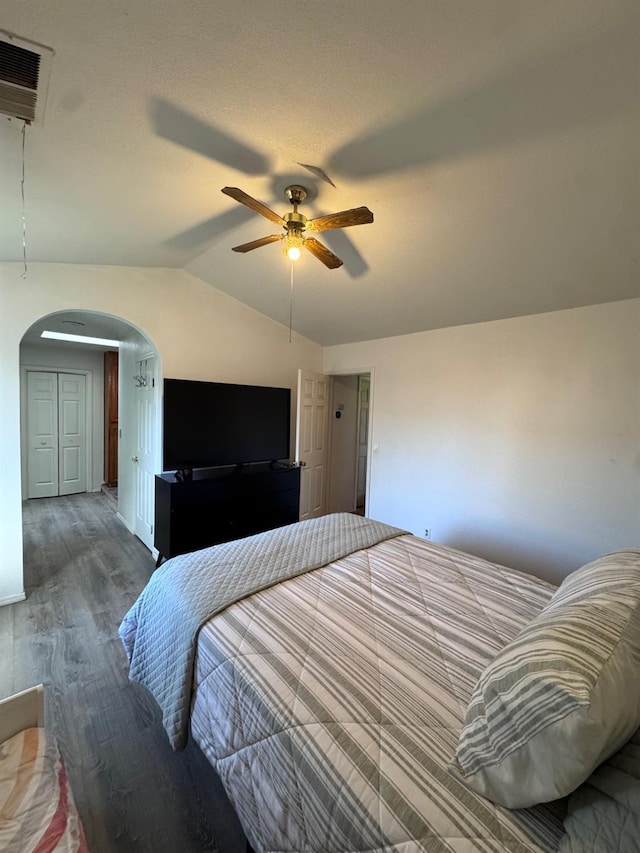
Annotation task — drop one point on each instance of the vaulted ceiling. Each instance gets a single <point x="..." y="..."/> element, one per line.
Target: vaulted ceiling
<point x="496" y="143"/>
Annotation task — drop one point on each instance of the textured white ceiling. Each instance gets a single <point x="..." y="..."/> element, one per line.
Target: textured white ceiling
<point x="496" y="143"/>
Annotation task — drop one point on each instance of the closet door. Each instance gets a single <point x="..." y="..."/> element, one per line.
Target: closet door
<point x="72" y="450"/>
<point x="42" y="432"/>
<point x="56" y="430"/>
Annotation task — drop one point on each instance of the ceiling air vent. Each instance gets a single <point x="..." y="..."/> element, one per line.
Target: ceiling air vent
<point x="24" y="78"/>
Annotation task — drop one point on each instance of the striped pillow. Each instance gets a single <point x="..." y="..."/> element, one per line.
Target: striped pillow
<point x="564" y="695"/>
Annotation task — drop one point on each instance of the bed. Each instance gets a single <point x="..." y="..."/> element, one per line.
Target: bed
<point x="331" y="701"/>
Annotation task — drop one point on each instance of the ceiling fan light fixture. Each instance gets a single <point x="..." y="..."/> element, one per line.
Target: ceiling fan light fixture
<point x="293" y="241"/>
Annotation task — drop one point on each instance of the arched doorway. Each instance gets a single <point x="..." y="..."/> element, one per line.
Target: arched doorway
<point x="48" y="365"/>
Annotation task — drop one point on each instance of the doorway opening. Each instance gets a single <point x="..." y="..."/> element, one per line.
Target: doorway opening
<point x="349" y="443"/>
<point x="90" y="414"/>
<point x="333" y="422"/>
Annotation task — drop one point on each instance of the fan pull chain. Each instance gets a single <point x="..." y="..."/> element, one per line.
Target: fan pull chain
<point x="291" y="302"/>
<point x="24" y="213"/>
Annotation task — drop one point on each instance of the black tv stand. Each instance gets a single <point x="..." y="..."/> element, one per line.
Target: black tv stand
<point x="220" y="504"/>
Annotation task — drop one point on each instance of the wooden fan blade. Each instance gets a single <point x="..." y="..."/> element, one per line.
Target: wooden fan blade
<point x="355" y="216"/>
<point x="318" y="172"/>
<point x="254" y="204"/>
<point x="322" y="253"/>
<point x="255" y="244"/>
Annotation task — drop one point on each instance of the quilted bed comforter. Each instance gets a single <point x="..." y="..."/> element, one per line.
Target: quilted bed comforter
<point x="331" y="704"/>
<point x="159" y="631"/>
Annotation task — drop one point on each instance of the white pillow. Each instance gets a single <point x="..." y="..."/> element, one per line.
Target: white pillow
<point x="564" y="695"/>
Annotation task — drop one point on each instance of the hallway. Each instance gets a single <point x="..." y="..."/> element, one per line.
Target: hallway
<point x="83" y="570"/>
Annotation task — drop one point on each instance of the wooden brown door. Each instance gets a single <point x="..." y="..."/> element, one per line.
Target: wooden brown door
<point x="111" y="418"/>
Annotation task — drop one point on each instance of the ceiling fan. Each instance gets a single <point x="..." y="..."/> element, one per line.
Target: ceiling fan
<point x="297" y="225"/>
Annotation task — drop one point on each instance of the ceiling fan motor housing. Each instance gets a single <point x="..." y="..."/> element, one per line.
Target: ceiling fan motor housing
<point x="295" y="219"/>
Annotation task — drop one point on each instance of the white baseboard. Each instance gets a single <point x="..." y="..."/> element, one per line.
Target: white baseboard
<point x="12" y="599"/>
<point x="121" y="519"/>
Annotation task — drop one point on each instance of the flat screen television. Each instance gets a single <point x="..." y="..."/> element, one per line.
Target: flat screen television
<point x="207" y="424"/>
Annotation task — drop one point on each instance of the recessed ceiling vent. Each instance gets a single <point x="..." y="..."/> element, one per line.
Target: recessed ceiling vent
<point x="24" y="78"/>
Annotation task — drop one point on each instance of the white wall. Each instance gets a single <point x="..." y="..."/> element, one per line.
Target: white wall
<point x="518" y="440"/>
<point x="65" y="358"/>
<point x="343" y="444"/>
<point x="199" y="332"/>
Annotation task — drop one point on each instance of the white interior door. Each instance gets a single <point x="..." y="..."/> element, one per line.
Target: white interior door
<point x="42" y="434"/>
<point x="57" y="434"/>
<point x="144" y="457"/>
<point x="311" y="441"/>
<point x="72" y="449"/>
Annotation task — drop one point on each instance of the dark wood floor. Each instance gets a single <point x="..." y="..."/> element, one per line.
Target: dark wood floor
<point x="83" y="570"/>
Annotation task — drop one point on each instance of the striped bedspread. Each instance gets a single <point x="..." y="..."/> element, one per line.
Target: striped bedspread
<point x="159" y="632"/>
<point x="331" y="704"/>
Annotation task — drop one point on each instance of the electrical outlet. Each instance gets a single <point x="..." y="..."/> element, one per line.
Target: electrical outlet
<point x="427" y="533"/>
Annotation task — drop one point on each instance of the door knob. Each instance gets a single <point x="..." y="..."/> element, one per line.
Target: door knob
<point x="134" y="459"/>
